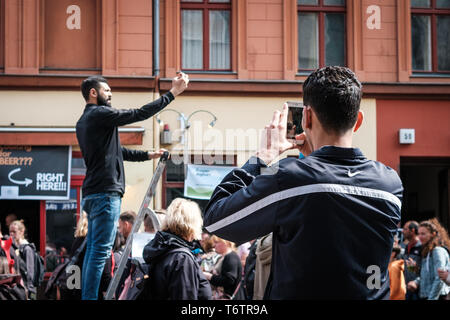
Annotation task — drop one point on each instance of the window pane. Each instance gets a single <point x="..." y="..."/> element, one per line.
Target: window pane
<point x="172" y="193"/>
<point x="443" y="3"/>
<point x="420" y="3"/>
<point x="192" y="39"/>
<point x="307" y="2"/>
<point x="219" y="39"/>
<point x="174" y="172"/>
<point x="421" y="42"/>
<point x="443" y="40"/>
<point x="335" y="39"/>
<point x="334" y="2"/>
<point x="191" y="0"/>
<point x="219" y="1"/>
<point x="308" y="41"/>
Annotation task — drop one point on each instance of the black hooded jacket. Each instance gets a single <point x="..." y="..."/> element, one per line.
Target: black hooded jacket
<point x="175" y="275"/>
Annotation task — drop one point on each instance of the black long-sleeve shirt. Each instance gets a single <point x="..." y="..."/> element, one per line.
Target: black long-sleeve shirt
<point x="98" y="137"/>
<point x="230" y="275"/>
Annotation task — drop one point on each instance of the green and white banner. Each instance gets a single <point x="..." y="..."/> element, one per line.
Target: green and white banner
<point x="201" y="180"/>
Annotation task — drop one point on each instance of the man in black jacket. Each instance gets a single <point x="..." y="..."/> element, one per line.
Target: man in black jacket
<point x="334" y="191"/>
<point x="104" y="185"/>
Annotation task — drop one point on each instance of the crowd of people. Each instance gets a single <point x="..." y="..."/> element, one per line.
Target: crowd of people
<point x="188" y="263"/>
<point x="273" y="211"/>
<point x="419" y="266"/>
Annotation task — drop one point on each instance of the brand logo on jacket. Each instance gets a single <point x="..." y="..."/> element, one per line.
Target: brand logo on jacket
<point x="352" y="174"/>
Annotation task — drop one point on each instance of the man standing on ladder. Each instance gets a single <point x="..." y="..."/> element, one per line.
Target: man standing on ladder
<point x="104" y="185"/>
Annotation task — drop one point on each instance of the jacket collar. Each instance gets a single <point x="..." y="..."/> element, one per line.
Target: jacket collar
<point x="338" y="152"/>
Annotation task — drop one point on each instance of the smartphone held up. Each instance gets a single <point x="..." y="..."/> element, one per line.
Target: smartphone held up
<point x="294" y="119"/>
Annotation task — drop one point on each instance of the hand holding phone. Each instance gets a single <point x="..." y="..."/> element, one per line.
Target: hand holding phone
<point x="294" y="120"/>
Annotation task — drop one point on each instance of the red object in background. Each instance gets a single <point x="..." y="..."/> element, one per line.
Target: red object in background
<point x="6" y="245"/>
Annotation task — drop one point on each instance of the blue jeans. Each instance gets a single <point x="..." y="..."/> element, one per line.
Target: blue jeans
<point x="103" y="211"/>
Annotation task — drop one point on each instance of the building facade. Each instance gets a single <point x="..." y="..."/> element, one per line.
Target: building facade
<point x="245" y="58"/>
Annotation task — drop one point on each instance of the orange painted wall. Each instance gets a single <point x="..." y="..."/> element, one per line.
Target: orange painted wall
<point x="135" y="37"/>
<point x="265" y="39"/>
<point x="379" y="51"/>
<point x="430" y="119"/>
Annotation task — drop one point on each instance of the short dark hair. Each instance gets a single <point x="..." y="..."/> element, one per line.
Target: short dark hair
<point x="89" y="83"/>
<point x="128" y="216"/>
<point x="335" y="94"/>
<point x="413" y="225"/>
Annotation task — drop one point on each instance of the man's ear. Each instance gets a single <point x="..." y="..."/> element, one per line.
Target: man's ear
<point x="93" y="93"/>
<point x="307" y="117"/>
<point x="359" y="121"/>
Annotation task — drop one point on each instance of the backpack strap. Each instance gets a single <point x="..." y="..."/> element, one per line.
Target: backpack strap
<point x="77" y="253"/>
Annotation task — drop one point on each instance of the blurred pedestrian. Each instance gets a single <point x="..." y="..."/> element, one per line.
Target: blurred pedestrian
<point x="227" y="274"/>
<point x="126" y="221"/>
<point x="11" y="287"/>
<point x="175" y="273"/>
<point x="26" y="251"/>
<point x="435" y="244"/>
<point x="412" y="252"/>
<point x="210" y="256"/>
<point x="9" y="219"/>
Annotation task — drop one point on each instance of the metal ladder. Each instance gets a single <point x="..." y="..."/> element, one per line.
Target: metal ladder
<point x="137" y="224"/>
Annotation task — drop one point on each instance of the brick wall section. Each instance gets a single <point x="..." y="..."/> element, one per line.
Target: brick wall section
<point x="380" y="46"/>
<point x="265" y="46"/>
<point x="135" y="37"/>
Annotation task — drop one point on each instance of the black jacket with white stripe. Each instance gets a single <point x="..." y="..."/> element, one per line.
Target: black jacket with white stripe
<point x="333" y="216"/>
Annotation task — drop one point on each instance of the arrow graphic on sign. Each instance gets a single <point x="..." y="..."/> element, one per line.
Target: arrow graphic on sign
<point x="26" y="182"/>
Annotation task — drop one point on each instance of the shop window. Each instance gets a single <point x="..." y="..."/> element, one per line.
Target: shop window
<point x="321" y="33"/>
<point x="206" y="35"/>
<point x="430" y="35"/>
<point x="70" y="35"/>
<point x="62" y="216"/>
<point x="174" y="177"/>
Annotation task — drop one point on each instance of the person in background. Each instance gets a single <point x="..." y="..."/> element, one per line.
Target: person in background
<point x="210" y="257"/>
<point x="9" y="219"/>
<point x="176" y="273"/>
<point x="228" y="272"/>
<point x="11" y="287"/>
<point x="26" y="251"/>
<point x="126" y="221"/>
<point x="412" y="252"/>
<point x="435" y="256"/>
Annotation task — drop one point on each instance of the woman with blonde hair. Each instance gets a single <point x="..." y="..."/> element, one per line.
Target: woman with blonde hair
<point x="176" y="275"/>
<point x="435" y="256"/>
<point x="26" y="251"/>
